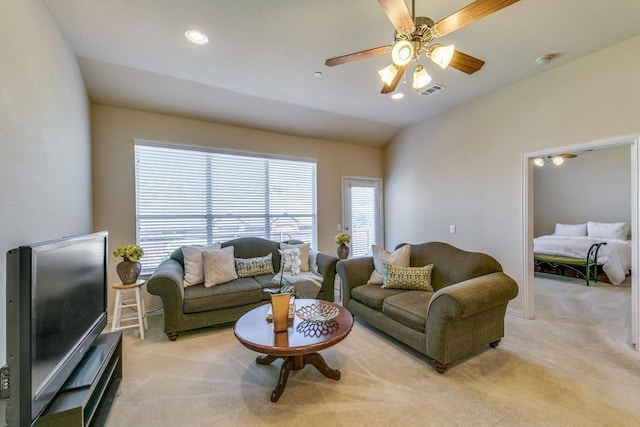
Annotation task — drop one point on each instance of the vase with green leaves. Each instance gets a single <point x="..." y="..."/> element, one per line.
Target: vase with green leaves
<point x="129" y="269"/>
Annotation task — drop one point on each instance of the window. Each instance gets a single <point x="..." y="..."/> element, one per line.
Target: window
<point x="362" y="213"/>
<point x="187" y="196"/>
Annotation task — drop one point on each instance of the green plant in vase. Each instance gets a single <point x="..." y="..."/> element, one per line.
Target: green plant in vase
<point x="342" y="240"/>
<point x="129" y="269"/>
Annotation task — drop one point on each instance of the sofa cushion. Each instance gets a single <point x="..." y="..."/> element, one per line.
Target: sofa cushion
<point x="412" y="278"/>
<point x="231" y="294"/>
<point x="249" y="267"/>
<point x="400" y="257"/>
<point x="219" y="266"/>
<point x="408" y="308"/>
<point x="193" y="267"/>
<point x="373" y="295"/>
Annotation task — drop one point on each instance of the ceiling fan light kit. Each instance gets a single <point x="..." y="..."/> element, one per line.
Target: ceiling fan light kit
<point x="388" y="73"/>
<point x="420" y="77"/>
<point x="441" y="55"/>
<point x="414" y="35"/>
<point x="402" y="52"/>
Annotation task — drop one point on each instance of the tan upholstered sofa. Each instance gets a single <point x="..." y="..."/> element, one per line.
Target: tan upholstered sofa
<point x="198" y="306"/>
<point x="464" y="312"/>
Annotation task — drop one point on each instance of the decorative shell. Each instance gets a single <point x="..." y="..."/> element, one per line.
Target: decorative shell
<point x="317" y="312"/>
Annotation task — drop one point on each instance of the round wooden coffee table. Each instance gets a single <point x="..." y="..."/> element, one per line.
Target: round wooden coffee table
<point x="298" y="345"/>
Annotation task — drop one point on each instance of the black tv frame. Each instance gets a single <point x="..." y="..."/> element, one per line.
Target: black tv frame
<point x="19" y="409"/>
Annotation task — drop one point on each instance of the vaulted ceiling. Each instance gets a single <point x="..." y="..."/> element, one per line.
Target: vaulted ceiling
<point x="258" y="69"/>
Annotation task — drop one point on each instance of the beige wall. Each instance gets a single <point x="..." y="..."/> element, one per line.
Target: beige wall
<point x="45" y="164"/>
<point x="113" y="132"/>
<point x="466" y="167"/>
<point x="595" y="186"/>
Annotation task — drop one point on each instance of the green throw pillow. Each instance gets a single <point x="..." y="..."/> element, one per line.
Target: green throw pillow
<point x="249" y="267"/>
<point x="413" y="278"/>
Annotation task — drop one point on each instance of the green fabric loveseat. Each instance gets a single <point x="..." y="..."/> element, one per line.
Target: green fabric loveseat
<point x="464" y="312"/>
<point x="197" y="306"/>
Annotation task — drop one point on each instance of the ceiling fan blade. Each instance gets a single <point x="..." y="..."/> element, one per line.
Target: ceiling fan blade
<point x="399" y="15"/>
<point x="471" y="13"/>
<point x="568" y="155"/>
<point x="357" y="55"/>
<point x="394" y="83"/>
<point x="465" y="63"/>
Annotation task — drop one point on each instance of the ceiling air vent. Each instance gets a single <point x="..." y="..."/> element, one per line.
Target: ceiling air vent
<point x="432" y="89"/>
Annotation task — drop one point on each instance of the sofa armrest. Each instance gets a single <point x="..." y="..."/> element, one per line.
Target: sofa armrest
<point x="327" y="269"/>
<point x="472" y="296"/>
<point x="353" y="272"/>
<point x="166" y="282"/>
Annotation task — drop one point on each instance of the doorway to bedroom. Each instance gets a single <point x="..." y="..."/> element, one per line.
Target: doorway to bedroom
<point x="599" y="185"/>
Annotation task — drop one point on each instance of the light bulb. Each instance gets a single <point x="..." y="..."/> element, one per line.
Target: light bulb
<point x="196" y="37"/>
<point x="442" y="55"/>
<point x="388" y="73"/>
<point x="539" y="161"/>
<point x="420" y="77"/>
<point x="557" y="160"/>
<point x="402" y="52"/>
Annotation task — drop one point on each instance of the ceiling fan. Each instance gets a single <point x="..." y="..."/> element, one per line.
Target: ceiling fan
<point x="414" y="36"/>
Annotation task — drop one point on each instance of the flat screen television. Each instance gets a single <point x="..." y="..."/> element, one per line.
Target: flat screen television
<point x="56" y="307"/>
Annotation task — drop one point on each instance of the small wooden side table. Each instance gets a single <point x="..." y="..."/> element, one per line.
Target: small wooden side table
<point x="137" y="303"/>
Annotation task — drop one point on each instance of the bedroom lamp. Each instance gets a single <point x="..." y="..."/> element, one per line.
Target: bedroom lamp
<point x="556" y="160"/>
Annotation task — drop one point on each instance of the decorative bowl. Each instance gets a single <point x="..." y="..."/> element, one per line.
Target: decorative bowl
<point x="317" y="312"/>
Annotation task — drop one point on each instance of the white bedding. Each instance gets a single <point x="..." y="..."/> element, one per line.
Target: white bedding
<point x="615" y="256"/>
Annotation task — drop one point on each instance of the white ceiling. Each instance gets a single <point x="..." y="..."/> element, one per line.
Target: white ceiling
<point x="258" y="68"/>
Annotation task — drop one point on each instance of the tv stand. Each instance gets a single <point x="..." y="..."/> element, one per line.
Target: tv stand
<point x="87" y="396"/>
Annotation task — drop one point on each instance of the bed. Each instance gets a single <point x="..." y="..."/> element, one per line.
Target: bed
<point x="585" y="248"/>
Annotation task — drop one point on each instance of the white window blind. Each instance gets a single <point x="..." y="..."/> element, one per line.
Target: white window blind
<point x="363" y="219"/>
<point x="199" y="197"/>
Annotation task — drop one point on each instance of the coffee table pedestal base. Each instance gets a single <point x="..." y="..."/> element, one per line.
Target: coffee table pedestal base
<point x="295" y="363"/>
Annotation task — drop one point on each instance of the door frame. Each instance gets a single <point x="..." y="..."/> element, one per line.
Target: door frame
<point x="379" y="181"/>
<point x="527" y="229"/>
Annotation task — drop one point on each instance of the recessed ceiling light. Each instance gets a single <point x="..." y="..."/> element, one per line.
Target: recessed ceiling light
<point x="398" y="95"/>
<point x="196" y="37"/>
<point x="317" y="74"/>
<point x="544" y="59"/>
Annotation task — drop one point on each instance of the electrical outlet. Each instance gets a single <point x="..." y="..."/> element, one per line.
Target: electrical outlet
<point x="452" y="229"/>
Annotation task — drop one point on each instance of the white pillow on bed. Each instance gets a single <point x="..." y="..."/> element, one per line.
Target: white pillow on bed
<point x="608" y="230"/>
<point x="571" y="230"/>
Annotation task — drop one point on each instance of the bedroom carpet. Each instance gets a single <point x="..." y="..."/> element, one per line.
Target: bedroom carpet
<point x="572" y="366"/>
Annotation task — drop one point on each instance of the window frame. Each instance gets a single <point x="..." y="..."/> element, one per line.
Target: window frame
<point x="209" y="217"/>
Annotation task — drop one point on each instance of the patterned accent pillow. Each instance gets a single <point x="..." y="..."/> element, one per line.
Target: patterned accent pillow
<point x="413" y="278"/>
<point x="249" y="267"/>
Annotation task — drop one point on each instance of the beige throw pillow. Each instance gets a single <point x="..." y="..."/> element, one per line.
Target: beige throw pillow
<point x="399" y="257"/>
<point x="304" y="255"/>
<point x="219" y="266"/>
<point x="193" y="268"/>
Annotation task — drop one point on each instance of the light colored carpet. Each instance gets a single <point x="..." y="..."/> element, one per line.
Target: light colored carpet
<point x="572" y="366"/>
